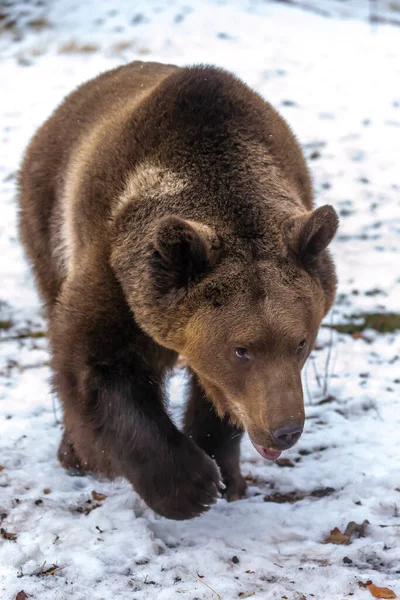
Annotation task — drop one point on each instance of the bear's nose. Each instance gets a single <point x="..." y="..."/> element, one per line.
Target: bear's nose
<point x="286" y="436"/>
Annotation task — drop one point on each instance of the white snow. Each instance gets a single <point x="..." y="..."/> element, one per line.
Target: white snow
<point x="336" y="80"/>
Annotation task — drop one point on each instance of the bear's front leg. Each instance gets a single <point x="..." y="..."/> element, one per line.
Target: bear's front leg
<point x="218" y="437"/>
<point x="67" y="456"/>
<point x="109" y="375"/>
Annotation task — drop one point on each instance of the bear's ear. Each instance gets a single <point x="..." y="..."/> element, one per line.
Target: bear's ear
<point x="183" y="252"/>
<point x="309" y="234"/>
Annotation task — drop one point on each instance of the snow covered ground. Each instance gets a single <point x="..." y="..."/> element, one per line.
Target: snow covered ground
<point x="336" y="80"/>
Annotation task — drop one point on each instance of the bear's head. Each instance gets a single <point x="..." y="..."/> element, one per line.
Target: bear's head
<point x="245" y="319"/>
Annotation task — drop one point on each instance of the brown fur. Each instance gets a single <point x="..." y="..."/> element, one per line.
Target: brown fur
<point x="169" y="210"/>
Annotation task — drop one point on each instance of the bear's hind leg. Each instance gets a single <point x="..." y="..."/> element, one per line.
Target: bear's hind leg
<point x="217" y="437"/>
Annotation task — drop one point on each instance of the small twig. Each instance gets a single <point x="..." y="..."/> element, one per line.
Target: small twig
<point x="306" y="382"/>
<point x="372" y="14"/>
<point x="317" y="377"/>
<point x="335" y="357"/>
<point x="308" y="7"/>
<point x="209" y="587"/>
<point x="378" y="413"/>
<point x="23" y="336"/>
<point x="23" y="368"/>
<point x="328" y="360"/>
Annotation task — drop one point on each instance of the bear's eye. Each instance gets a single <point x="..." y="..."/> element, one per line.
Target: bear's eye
<point x="301" y="345"/>
<point x="241" y="352"/>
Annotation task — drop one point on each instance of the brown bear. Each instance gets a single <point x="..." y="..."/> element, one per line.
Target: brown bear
<point x="168" y="211"/>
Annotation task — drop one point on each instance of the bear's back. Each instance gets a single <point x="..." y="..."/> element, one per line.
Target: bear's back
<point x="57" y="158"/>
<point x="201" y="119"/>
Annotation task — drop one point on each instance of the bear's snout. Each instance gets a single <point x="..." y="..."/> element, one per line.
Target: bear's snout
<point x="287" y="435"/>
<point x="273" y="440"/>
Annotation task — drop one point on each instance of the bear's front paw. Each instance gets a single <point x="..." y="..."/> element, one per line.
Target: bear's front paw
<point x="184" y="485"/>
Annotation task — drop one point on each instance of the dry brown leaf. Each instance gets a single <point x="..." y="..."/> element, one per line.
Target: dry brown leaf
<point x="322" y="492"/>
<point x="397" y="489"/>
<point x="1" y="468"/>
<point x="47" y="491"/>
<point x="352" y="529"/>
<point x="6" y="535"/>
<point x="356" y="528"/>
<point x="380" y="592"/>
<point x="357" y="335"/>
<point x="290" y="497"/>
<point x="98" y="497"/>
<point x="285" y="462"/>
<point x="337" y="537"/>
<point x="21" y="595"/>
<point x="51" y="570"/>
<point x="85" y="510"/>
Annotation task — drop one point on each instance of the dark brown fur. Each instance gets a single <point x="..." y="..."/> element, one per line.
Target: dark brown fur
<point x="169" y="210"/>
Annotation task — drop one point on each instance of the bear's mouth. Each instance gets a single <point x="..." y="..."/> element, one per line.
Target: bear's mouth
<point x="267" y="453"/>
